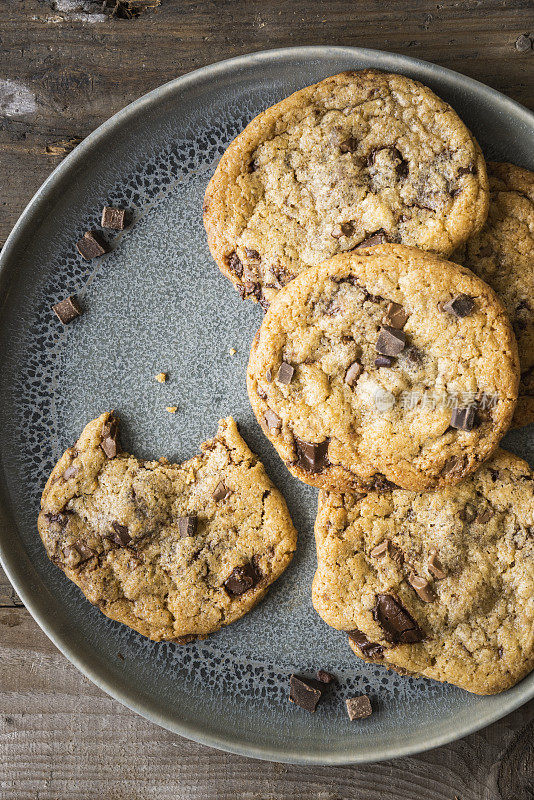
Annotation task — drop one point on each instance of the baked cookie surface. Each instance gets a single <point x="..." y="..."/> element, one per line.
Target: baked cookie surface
<point x="502" y="254"/>
<point x="439" y="584"/>
<point x="384" y="364"/>
<point x="170" y="550"/>
<point x="357" y="159"/>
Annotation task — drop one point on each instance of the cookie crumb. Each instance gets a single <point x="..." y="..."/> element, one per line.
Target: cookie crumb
<point x="161" y="377"/>
<point x="171" y="409"/>
<point x="232" y="351"/>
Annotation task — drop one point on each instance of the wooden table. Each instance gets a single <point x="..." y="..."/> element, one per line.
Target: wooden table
<point x="67" y="65"/>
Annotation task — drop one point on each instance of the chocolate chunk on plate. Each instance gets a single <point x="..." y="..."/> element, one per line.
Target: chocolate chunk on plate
<point x="324" y="676"/>
<point x="67" y="310"/>
<point x="358" y="707"/>
<point x="304" y="692"/>
<point x="398" y="625"/>
<point x="113" y="218"/>
<point x="92" y="245"/>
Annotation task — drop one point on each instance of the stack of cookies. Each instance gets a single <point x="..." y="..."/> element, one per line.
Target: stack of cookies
<point x="396" y="269"/>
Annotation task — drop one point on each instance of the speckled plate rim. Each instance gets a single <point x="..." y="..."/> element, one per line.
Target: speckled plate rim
<point x="29" y="591"/>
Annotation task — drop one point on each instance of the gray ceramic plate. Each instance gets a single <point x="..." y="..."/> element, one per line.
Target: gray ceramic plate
<point x="157" y="302"/>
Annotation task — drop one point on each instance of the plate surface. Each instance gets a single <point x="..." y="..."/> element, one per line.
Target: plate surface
<point x="158" y="303"/>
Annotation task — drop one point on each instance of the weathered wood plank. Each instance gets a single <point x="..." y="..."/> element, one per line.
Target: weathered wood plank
<point x="60" y="737"/>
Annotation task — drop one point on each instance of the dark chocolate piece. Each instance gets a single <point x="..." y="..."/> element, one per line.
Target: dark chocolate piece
<point x="120" y="534"/>
<point x="113" y="218"/>
<point x="358" y="707"/>
<point x="234" y="264"/>
<point x="398" y="625"/>
<point x="460" y="306"/>
<point x="92" y="245"/>
<point x="285" y="373"/>
<point x="369" y="649"/>
<point x="221" y="492"/>
<point x="272" y="421"/>
<point x="110" y="438"/>
<point x="396" y="316"/>
<point x="304" y="692"/>
<point x="252" y="254"/>
<point x="383" y="361"/>
<point x="241" y="579"/>
<point x="464" y="419"/>
<point x="324" y="676"/>
<point x="187" y="525"/>
<point x="312" y="457"/>
<point x="67" y="310"/>
<point x="390" y="341"/>
<point x="380" y="237"/>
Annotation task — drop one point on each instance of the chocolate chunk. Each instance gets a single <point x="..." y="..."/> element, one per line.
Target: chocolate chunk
<point x="252" y="254"/>
<point x="484" y="516"/>
<point x="285" y="373"/>
<point x="324" y="676"/>
<point x="268" y="376"/>
<point x="464" y="419"/>
<point x="77" y="553"/>
<point x="380" y="237"/>
<point x="187" y="639"/>
<point x="350" y="145"/>
<point x="187" y="525"/>
<point x="261" y="393"/>
<point x="454" y="464"/>
<point x="67" y="310"/>
<point x="353" y="373"/>
<point x="92" y="245"/>
<point x="304" y="692"/>
<point x="434" y="565"/>
<point x="120" y="534"/>
<point x="390" y="341"/>
<point x="241" y="579"/>
<point x="221" y="492"/>
<point x="369" y="649"/>
<point x="396" y="316"/>
<point x="345" y="229"/>
<point x="70" y="472"/>
<point x="468" y="513"/>
<point x="460" y="306"/>
<point x="110" y="438"/>
<point x="422" y="587"/>
<point x="380" y="483"/>
<point x="380" y="549"/>
<point x="398" y="625"/>
<point x="59" y="519"/>
<point x="358" y="707"/>
<point x="272" y="421"/>
<point x="312" y="457"/>
<point x="383" y="361"/>
<point x="233" y="262"/>
<point x="113" y="218"/>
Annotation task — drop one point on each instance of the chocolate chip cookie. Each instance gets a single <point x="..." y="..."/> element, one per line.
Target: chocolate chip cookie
<point x="171" y="550"/>
<point x="502" y="254"/>
<point x="357" y="159"/>
<point x="439" y="584"/>
<point x="386" y="364"/>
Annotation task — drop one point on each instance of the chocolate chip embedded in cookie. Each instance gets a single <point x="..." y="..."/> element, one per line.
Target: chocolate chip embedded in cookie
<point x="359" y="159"/>
<point x="502" y="254"/>
<point x="174" y="551"/>
<point x="398" y="368"/>
<point x="458" y="606"/>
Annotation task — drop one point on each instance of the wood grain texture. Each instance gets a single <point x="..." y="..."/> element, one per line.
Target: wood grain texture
<point x="62" y="73"/>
